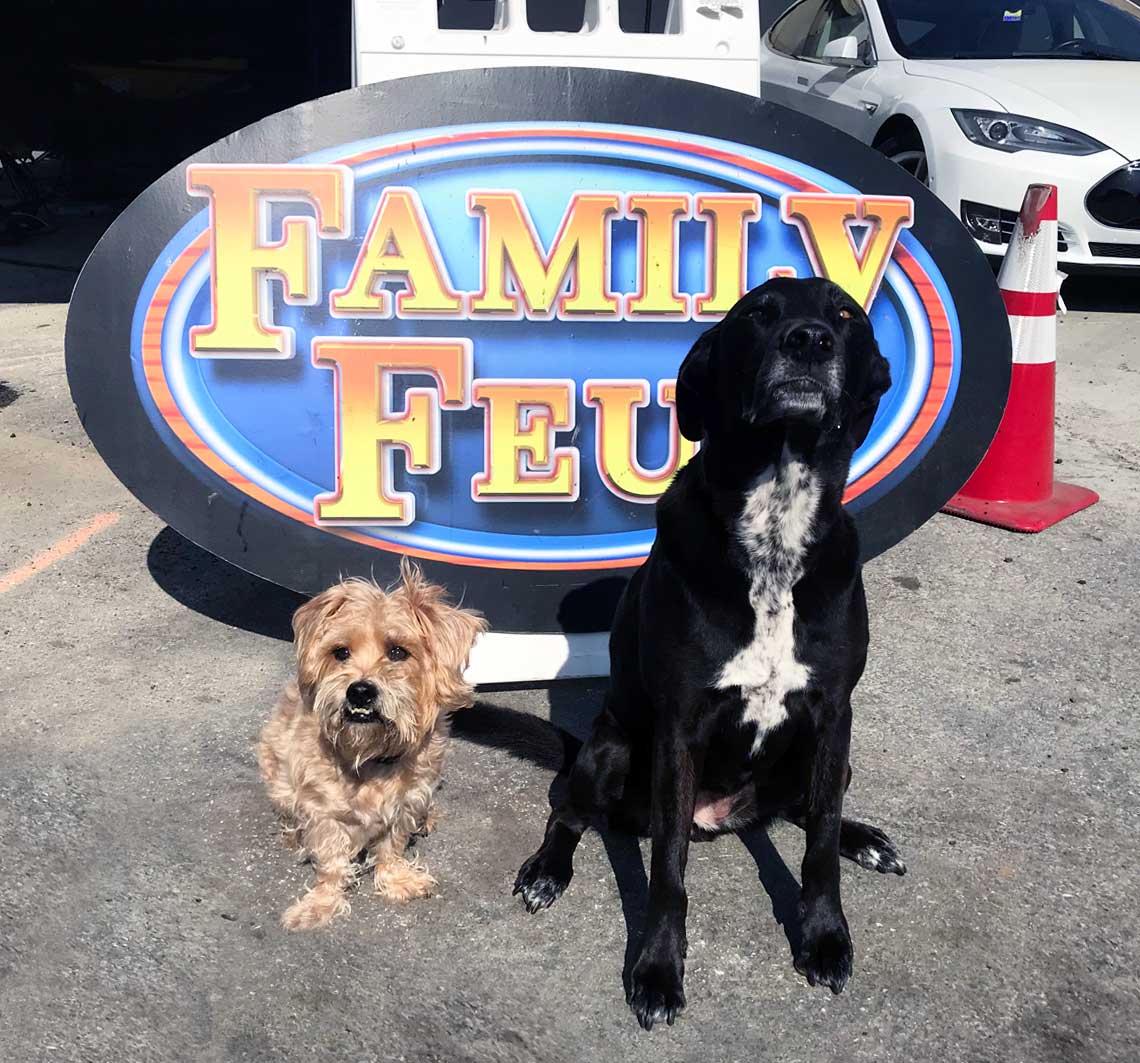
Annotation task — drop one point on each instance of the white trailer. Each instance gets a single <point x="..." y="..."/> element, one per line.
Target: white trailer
<point x="716" y="42"/>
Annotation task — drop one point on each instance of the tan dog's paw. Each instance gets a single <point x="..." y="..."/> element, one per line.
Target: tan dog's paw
<point x="400" y="880"/>
<point x="291" y="837"/>
<point x="431" y="821"/>
<point x="316" y="908"/>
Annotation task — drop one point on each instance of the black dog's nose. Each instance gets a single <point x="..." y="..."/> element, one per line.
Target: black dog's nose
<point x="361" y="694"/>
<point x="810" y="341"/>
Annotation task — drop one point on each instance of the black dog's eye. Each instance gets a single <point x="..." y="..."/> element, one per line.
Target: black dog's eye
<point x="847" y="313"/>
<point x="766" y="310"/>
<point x="397" y="653"/>
<point x="342" y="653"/>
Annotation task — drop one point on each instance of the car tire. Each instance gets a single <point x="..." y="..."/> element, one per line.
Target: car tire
<point x="905" y="147"/>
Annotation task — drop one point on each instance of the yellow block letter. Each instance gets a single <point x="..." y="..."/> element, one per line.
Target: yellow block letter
<point x="242" y="260"/>
<point x="659" y="256"/>
<point x="522" y="461"/>
<point x="824" y="223"/>
<point x="509" y="236"/>
<point x="399" y="243"/>
<point x="616" y="438"/>
<point x="369" y="430"/>
<point x="726" y="249"/>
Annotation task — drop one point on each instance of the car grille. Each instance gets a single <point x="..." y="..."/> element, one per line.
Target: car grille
<point x="1115" y="250"/>
<point x="1115" y="201"/>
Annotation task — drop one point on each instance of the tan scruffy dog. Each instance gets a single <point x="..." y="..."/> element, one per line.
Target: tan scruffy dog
<point x="354" y="749"/>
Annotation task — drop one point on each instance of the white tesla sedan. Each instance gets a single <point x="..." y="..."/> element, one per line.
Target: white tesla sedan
<point x="980" y="98"/>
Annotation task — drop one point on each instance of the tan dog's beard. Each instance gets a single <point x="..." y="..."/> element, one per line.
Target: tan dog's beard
<point x="394" y="734"/>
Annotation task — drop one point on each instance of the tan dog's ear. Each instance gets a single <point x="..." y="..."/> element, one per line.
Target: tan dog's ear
<point x="313" y="614"/>
<point x="449" y="633"/>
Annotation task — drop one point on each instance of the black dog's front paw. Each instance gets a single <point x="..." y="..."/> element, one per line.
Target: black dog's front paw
<point x="657" y="990"/>
<point x="541" y="881"/>
<point x="826" y="955"/>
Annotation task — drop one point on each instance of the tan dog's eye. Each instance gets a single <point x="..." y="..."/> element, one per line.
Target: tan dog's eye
<point x="342" y="653"/>
<point x="397" y="653"/>
<point x="846" y="313"/>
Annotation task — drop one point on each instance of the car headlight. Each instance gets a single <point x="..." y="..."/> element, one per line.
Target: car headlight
<point x="1014" y="132"/>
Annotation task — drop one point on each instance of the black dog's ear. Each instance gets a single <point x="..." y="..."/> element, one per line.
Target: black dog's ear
<point x="693" y="386"/>
<point x="874" y="388"/>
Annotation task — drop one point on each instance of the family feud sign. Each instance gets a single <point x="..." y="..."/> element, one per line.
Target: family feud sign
<point x="443" y="317"/>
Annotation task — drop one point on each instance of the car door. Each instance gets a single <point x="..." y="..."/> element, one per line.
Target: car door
<point x="844" y="94"/>
<point x="784" y="74"/>
<point x="831" y="74"/>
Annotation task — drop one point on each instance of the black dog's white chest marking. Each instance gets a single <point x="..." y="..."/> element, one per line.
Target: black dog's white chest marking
<point x="775" y="529"/>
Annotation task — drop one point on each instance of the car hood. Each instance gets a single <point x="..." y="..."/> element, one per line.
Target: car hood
<point x="1091" y="96"/>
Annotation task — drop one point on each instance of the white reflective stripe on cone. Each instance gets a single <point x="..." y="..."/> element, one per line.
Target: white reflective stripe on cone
<point x="1034" y="339"/>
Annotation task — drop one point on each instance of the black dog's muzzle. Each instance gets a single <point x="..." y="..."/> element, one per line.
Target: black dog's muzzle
<point x="805" y="374"/>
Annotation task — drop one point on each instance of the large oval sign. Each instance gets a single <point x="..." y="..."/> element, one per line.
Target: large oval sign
<point x="442" y="317"/>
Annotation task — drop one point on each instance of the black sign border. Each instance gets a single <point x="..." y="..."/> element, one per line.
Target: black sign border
<point x="230" y="524"/>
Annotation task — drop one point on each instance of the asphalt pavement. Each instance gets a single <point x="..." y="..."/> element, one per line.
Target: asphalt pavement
<point x="997" y="739"/>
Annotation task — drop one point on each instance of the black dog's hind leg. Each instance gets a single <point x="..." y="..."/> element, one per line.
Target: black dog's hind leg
<point x="869" y="847"/>
<point x="656" y="989"/>
<point x="825" y="956"/>
<point x="595" y="784"/>
<point x="863" y="844"/>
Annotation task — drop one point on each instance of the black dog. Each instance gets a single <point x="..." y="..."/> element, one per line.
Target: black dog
<point x="737" y="644"/>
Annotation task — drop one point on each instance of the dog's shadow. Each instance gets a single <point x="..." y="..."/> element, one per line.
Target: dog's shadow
<point x="553" y="746"/>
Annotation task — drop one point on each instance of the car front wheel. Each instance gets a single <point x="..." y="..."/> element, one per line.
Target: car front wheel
<point x="905" y="149"/>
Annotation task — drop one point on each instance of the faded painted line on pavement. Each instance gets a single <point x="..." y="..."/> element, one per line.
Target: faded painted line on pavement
<point x="64" y="548"/>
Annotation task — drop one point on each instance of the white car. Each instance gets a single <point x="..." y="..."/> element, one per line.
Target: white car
<point x="980" y="98"/>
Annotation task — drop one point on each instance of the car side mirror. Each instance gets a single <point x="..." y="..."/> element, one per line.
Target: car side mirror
<point x="844" y="51"/>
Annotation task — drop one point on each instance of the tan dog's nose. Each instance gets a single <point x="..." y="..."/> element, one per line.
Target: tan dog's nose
<point x="362" y="694"/>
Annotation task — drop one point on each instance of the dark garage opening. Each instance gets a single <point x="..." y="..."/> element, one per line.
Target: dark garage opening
<point x="98" y="98"/>
<point x="101" y="98"/>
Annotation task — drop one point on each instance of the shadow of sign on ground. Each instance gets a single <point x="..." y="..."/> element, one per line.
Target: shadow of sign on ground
<point x="215" y="588"/>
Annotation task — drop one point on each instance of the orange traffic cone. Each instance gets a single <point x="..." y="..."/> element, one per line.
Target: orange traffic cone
<point x="1013" y="487"/>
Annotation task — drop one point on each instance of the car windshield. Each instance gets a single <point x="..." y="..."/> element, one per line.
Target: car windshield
<point x="1014" y="29"/>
